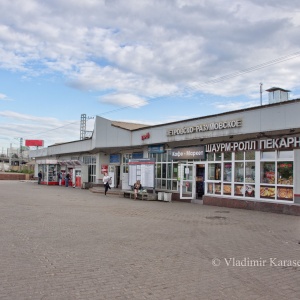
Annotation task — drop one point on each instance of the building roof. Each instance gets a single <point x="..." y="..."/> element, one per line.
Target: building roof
<point x="274" y="88"/>
<point x="128" y="126"/>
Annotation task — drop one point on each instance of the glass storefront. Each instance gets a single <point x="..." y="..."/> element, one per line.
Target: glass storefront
<point x="249" y="174"/>
<point x="90" y="161"/>
<point x="166" y="171"/>
<point x="49" y="173"/>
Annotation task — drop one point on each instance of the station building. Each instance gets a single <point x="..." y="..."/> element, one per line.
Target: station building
<point x="250" y="155"/>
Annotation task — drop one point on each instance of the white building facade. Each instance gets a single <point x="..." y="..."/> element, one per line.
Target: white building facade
<point x="251" y="154"/>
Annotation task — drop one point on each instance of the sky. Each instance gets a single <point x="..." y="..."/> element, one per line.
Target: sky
<point x="141" y="61"/>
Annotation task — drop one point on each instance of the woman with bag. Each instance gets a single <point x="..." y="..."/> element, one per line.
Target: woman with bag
<point x="106" y="180"/>
<point x="137" y="187"/>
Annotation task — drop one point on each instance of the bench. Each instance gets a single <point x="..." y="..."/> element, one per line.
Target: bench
<point x="130" y="194"/>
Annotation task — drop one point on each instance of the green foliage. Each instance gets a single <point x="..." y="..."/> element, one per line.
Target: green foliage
<point x="25" y="171"/>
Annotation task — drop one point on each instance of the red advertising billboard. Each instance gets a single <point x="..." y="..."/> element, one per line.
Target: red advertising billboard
<point x="37" y="143"/>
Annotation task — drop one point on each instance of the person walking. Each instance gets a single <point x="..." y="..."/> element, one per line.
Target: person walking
<point x="40" y="176"/>
<point x="106" y="180"/>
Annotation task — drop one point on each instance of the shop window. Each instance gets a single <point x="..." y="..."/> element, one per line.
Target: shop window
<point x="90" y="161"/>
<point x="125" y="161"/>
<point x="52" y="173"/>
<point x="228" y="156"/>
<point x="285" y="173"/>
<point x="217" y="188"/>
<point x="249" y="190"/>
<point x="267" y="170"/>
<point x="169" y="170"/>
<point x="250" y="155"/>
<point x="227" y="189"/>
<point x="250" y="172"/>
<point x="174" y="185"/>
<point x="277" y="176"/>
<point x="285" y="154"/>
<point x="214" y="171"/>
<point x="175" y="171"/>
<point x="238" y="178"/>
<point x="210" y="189"/>
<point x="239" y="172"/>
<point x="267" y="192"/>
<point x="210" y="157"/>
<point x="158" y="183"/>
<point x="158" y="170"/>
<point x="239" y="190"/>
<point x="285" y="193"/>
<point x="239" y="155"/>
<point x="166" y="172"/>
<point x="268" y="155"/>
<point x="227" y="172"/>
<point x="218" y="156"/>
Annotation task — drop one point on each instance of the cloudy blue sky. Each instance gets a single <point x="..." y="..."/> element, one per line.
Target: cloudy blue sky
<point x="144" y="61"/>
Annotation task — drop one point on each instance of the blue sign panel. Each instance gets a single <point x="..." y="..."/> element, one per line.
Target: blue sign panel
<point x="137" y="155"/>
<point x="156" y="149"/>
<point x="114" y="158"/>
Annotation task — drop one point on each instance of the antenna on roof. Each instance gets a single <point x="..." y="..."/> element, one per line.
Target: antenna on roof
<point x="83" y="133"/>
<point x="260" y="86"/>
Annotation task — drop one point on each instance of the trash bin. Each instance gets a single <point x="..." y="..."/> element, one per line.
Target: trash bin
<point x="168" y="197"/>
<point x="160" y="196"/>
<point x="85" y="185"/>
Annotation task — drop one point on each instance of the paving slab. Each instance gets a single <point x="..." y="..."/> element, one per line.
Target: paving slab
<point x="69" y="243"/>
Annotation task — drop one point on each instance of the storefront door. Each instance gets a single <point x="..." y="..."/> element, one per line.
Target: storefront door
<point x="187" y="181"/>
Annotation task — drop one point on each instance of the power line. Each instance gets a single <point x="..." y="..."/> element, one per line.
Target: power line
<point x="251" y="69"/>
<point x="205" y="83"/>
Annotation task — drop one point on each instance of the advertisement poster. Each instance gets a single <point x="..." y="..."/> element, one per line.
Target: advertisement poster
<point x="143" y="170"/>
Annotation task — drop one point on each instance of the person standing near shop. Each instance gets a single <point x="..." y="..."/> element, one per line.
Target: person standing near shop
<point x="59" y="178"/>
<point x="67" y="179"/>
<point x="40" y="176"/>
<point x="106" y="180"/>
<point x="137" y="187"/>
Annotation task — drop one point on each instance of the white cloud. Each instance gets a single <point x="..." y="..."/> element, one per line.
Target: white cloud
<point x="4" y="98"/>
<point x="151" y="47"/>
<point x="231" y="106"/>
<point x="32" y="127"/>
<point x="124" y="99"/>
<point x="136" y="51"/>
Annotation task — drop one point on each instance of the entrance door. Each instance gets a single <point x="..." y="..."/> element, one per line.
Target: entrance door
<point x="111" y="173"/>
<point x="114" y="173"/>
<point x="187" y="181"/>
<point x="200" y="180"/>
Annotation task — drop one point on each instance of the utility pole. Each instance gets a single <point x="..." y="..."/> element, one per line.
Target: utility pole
<point x="21" y="147"/>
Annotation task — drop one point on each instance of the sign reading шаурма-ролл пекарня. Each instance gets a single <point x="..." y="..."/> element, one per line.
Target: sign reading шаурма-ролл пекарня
<point x="205" y="127"/>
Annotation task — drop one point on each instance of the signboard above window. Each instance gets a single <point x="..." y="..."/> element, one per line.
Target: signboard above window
<point x="156" y="149"/>
<point x="114" y="158"/>
<point x="188" y="153"/>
